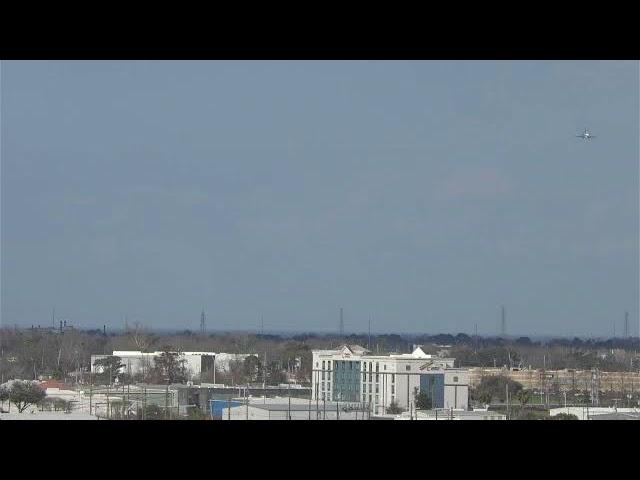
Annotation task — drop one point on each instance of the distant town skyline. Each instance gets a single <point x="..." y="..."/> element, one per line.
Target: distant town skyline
<point x="418" y="195"/>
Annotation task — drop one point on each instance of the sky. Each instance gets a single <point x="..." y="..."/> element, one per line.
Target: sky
<point x="418" y="195"/>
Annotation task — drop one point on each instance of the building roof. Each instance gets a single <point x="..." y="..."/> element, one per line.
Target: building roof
<point x="54" y="384"/>
<point x="298" y="407"/>
<point x="616" y="416"/>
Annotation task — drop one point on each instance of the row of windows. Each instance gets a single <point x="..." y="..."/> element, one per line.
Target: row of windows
<point x="364" y="366"/>
<point x="370" y="398"/>
<point x="341" y="364"/>
<point x="393" y="378"/>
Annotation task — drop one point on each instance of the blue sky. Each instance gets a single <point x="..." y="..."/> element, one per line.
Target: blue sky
<point x="422" y="194"/>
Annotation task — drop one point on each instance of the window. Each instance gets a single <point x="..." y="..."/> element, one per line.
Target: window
<point x="377" y="367"/>
<point x="393" y="378"/>
<point x="377" y="378"/>
<point x="316" y="364"/>
<point x="455" y="379"/>
<point x="328" y="387"/>
<point x="369" y="375"/>
<point x="377" y="388"/>
<point x="370" y="387"/>
<point x="385" y="366"/>
<point x="323" y="386"/>
<point x="408" y="367"/>
<point x="364" y="397"/>
<point x="377" y="399"/>
<point x="393" y="391"/>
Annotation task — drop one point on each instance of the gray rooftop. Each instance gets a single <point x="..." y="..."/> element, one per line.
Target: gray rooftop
<point x="616" y="416"/>
<point x="298" y="407"/>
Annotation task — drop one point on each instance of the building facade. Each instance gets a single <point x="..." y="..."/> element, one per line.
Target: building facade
<point x="350" y="374"/>
<point x="136" y="362"/>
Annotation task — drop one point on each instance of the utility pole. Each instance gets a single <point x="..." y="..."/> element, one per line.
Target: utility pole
<point x="166" y="400"/>
<point x="90" y="391"/>
<point x="508" y="410"/>
<point x="264" y="378"/>
<point x="341" y="322"/>
<point x="202" y="322"/>
<point x="503" y="327"/>
<point x="369" y="342"/>
<point x="475" y="337"/>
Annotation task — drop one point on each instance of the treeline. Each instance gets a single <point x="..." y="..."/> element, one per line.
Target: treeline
<point x="65" y="354"/>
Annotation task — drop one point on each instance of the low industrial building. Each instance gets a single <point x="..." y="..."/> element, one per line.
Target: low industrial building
<point x="352" y="374"/>
<point x="292" y="409"/>
<point x="137" y="362"/>
<point x="590" y="413"/>
<point x="451" y="415"/>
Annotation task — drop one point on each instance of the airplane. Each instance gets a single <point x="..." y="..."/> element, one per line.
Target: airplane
<point x="586" y="135"/>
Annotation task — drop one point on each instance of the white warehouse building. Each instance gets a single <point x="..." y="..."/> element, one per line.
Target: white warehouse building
<point x="136" y="362"/>
<point x="351" y="374"/>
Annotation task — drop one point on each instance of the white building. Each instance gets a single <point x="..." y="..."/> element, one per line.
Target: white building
<point x="293" y="409"/>
<point x="351" y="374"/>
<point x="589" y="413"/>
<point x="136" y="362"/>
<point x="451" y="414"/>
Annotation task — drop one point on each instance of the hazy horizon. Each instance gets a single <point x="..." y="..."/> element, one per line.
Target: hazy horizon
<point x="421" y="195"/>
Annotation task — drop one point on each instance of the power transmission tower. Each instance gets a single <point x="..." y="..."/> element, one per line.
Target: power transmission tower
<point x="202" y="322"/>
<point x="503" y="326"/>
<point x="626" y="324"/>
<point x="341" y="322"/>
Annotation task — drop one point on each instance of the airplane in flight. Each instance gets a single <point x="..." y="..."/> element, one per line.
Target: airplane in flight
<point x="586" y="135"/>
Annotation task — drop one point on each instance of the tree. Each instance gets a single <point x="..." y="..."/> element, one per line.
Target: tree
<point x="170" y="367"/>
<point x="23" y="393"/>
<point x="523" y="396"/>
<point x="394" y="409"/>
<point x="252" y="369"/>
<point x="423" y="402"/>
<point x="153" y="412"/>
<point x="564" y="416"/>
<point x="4" y="394"/>
<point x="142" y="339"/>
<point x="109" y="368"/>
<point x="62" y="404"/>
<point x="494" y="387"/>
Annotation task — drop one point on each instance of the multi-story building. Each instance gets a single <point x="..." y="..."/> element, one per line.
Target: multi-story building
<point x="351" y="374"/>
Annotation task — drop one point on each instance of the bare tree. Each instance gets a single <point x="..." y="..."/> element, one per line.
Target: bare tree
<point x="141" y="337"/>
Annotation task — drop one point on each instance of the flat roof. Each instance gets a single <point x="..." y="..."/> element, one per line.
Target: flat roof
<point x="298" y="407"/>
